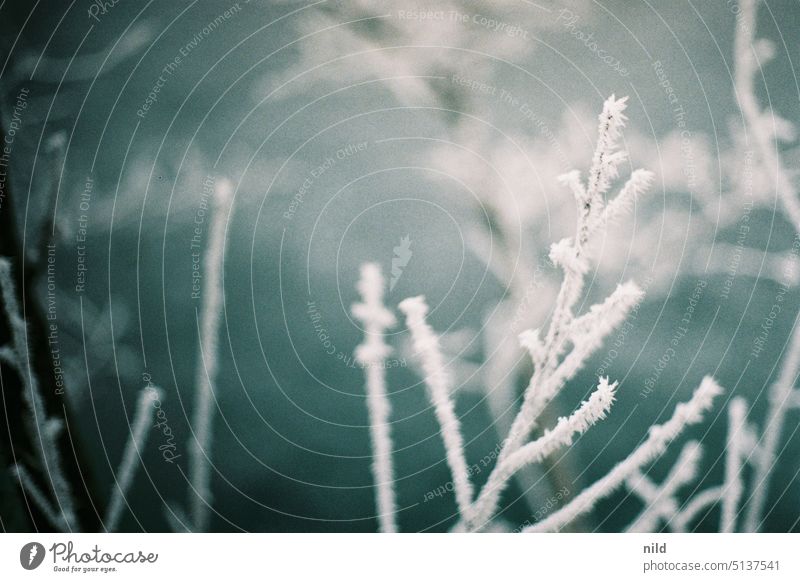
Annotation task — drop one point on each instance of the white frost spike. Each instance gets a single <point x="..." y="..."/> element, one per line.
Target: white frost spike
<point x="605" y="317"/>
<point x="606" y="158"/>
<point x="572" y="180"/>
<point x="371" y="354"/>
<point x="735" y="452"/>
<point x="661" y="503"/>
<point x="592" y="410"/>
<point x="426" y="345"/>
<point x="142" y="420"/>
<point x="659" y="437"/>
<point x="622" y="204"/>
<point x="210" y="318"/>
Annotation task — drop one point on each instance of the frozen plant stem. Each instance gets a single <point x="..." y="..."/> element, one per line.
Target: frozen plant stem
<point x="660" y="502"/>
<point x="557" y="356"/>
<point x="38" y="497"/>
<point x="44" y="429"/>
<point x="578" y="337"/>
<point x="734" y="454"/>
<point x="762" y="125"/>
<point x="593" y="410"/>
<point x="692" y="509"/>
<point x="208" y="361"/>
<point x="371" y="354"/>
<point x="659" y="437"/>
<point x="426" y="346"/>
<point x="142" y="420"/>
<point x="780" y="400"/>
<point x="570" y="255"/>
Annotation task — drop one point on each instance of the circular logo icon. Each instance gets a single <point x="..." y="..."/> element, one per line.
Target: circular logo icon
<point x="31" y="555"/>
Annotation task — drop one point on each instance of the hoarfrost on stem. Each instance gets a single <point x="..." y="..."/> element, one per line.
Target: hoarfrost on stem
<point x="371" y="354"/>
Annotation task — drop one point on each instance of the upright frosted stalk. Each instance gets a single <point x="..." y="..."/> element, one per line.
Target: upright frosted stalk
<point x="45" y="433"/>
<point x="426" y="345"/>
<point x="734" y="454"/>
<point x="142" y="421"/>
<point x="371" y="354"/>
<point x="760" y="124"/>
<point x="208" y="362"/>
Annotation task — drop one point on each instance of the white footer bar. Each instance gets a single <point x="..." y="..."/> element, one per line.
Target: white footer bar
<point x="402" y="557"/>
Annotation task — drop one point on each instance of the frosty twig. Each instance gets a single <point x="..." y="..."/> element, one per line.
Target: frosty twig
<point x="371" y="354"/>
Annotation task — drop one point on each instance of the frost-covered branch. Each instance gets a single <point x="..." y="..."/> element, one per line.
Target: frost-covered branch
<point x="766" y="129"/>
<point x="38" y="497"/>
<point x="559" y="351"/>
<point x="588" y="331"/>
<point x="735" y="451"/>
<point x="586" y="334"/>
<point x="569" y="340"/>
<point x="740" y="447"/>
<point x="660" y="502"/>
<point x="43" y="428"/>
<point x="607" y="158"/>
<point x="142" y="419"/>
<point x="199" y="491"/>
<point x="781" y="397"/>
<point x="591" y="411"/>
<point x="569" y="254"/>
<point x="659" y="437"/>
<point x="371" y="354"/>
<point x="695" y="505"/>
<point x="622" y="204"/>
<point x="643" y="486"/>
<point x="426" y="344"/>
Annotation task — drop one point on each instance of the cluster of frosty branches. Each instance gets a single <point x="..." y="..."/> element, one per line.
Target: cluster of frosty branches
<point x="44" y="430"/>
<point x="764" y="130"/>
<point x="740" y="511"/>
<point x="659" y="437"/>
<point x="60" y="511"/>
<point x="662" y="506"/>
<point x="660" y="500"/>
<point x="557" y="353"/>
